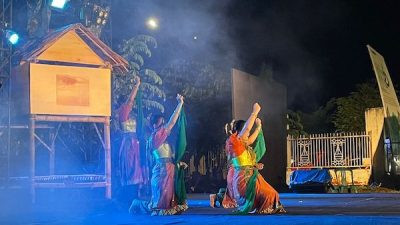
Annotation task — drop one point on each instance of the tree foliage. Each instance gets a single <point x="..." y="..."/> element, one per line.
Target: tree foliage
<point x="207" y="101"/>
<point x="320" y="121"/>
<point x="135" y="50"/>
<point x="345" y="114"/>
<point x="295" y="126"/>
<point x="350" y="112"/>
<point x="195" y="80"/>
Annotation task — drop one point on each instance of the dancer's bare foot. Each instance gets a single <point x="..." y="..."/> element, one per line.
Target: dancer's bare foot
<point x="213" y="197"/>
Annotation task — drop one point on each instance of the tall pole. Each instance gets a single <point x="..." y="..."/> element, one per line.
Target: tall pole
<point x="32" y="157"/>
<point x="9" y="103"/>
<point x="5" y="81"/>
<point x="107" y="152"/>
<point x="52" y="156"/>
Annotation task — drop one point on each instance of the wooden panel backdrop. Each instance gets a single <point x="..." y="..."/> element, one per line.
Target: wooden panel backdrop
<point x="67" y="90"/>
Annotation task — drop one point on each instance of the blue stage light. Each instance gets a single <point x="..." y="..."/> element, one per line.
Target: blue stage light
<point x="12" y="37"/>
<point x="59" y="4"/>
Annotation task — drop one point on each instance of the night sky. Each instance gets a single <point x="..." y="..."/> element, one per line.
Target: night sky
<point x="317" y="48"/>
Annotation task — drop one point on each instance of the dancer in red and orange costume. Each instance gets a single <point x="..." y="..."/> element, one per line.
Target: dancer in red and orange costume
<point x="132" y="171"/>
<point x="251" y="192"/>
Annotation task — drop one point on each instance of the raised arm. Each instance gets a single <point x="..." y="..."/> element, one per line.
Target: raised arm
<point x="250" y="121"/>
<point x="254" y="135"/>
<point x="131" y="99"/>
<point x="175" y="115"/>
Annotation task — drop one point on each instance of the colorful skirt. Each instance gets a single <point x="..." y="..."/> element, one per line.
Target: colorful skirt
<point x="163" y="200"/>
<point x="131" y="169"/>
<point x="266" y="199"/>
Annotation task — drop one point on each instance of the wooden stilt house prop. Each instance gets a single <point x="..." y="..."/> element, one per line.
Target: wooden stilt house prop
<point x="66" y="77"/>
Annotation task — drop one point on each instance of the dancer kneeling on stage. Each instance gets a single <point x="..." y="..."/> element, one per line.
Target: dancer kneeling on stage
<point x="163" y="199"/>
<point x="251" y="192"/>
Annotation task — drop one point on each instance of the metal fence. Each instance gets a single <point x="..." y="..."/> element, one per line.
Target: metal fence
<point x="332" y="150"/>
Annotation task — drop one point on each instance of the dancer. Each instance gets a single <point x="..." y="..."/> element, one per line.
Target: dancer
<point x="132" y="172"/>
<point x="251" y="192"/>
<point x="164" y="190"/>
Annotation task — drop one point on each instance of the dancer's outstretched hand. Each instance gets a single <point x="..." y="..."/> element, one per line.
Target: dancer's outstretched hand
<point x="256" y="107"/>
<point x="179" y="98"/>
<point x="258" y="122"/>
<point x="137" y="80"/>
<point x="260" y="166"/>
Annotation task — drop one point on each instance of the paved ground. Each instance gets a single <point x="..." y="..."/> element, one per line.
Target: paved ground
<point x="301" y="209"/>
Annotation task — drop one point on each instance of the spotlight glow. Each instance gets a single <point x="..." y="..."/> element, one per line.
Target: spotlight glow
<point x="12" y="37"/>
<point x="152" y="23"/>
<point x="59" y="4"/>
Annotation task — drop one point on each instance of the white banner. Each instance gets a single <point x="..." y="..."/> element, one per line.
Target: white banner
<point x="388" y="94"/>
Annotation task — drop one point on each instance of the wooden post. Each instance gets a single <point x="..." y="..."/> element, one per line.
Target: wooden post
<point x="52" y="156"/>
<point x="288" y="157"/>
<point x="107" y="150"/>
<point x="32" y="157"/>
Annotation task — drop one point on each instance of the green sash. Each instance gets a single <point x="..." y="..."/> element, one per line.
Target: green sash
<point x="180" y="190"/>
<point x="259" y="150"/>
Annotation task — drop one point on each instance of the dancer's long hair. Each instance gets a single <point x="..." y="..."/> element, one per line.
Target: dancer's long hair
<point x="154" y="120"/>
<point x="234" y="126"/>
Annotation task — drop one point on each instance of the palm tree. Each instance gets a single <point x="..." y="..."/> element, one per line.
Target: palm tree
<point x="134" y="50"/>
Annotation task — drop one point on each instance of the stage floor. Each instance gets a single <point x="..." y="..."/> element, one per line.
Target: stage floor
<point x="301" y="209"/>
